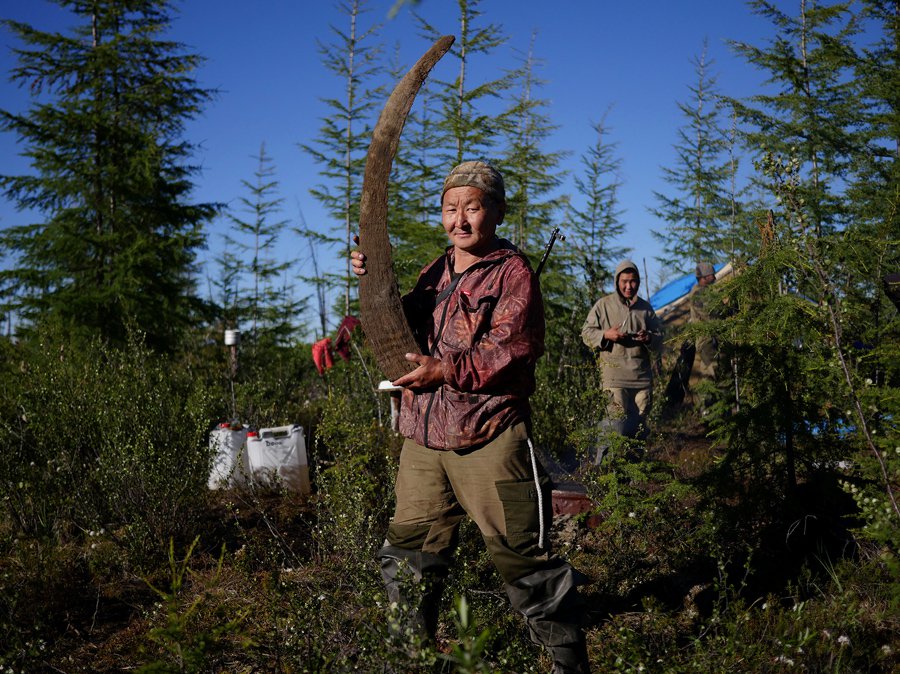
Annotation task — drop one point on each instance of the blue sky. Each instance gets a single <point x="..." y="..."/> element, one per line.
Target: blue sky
<point x="631" y="59"/>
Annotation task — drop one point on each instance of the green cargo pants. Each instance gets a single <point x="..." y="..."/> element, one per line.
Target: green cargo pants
<point x="494" y="484"/>
<point x="504" y="489"/>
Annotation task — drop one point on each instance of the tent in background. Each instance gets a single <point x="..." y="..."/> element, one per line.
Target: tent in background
<point x="671" y="301"/>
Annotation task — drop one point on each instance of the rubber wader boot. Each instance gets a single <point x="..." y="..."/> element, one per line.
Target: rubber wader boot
<point x="401" y="567"/>
<point x="554" y="611"/>
<point x="607" y="430"/>
<point x="570" y="659"/>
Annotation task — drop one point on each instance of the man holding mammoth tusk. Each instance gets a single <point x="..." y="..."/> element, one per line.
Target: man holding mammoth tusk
<point x="478" y="316"/>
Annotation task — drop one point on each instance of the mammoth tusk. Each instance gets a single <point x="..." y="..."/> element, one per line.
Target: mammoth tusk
<point x="379" y="298"/>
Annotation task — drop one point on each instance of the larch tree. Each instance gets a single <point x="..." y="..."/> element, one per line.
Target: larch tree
<point x="874" y="187"/>
<point x="468" y="128"/>
<point x="115" y="237"/>
<point x="225" y="288"/>
<point x="816" y="384"/>
<point x="531" y="172"/>
<point x="264" y="300"/>
<point x="698" y="210"/>
<point x="344" y="137"/>
<point x="532" y="177"/>
<point x="809" y="104"/>
<point x="595" y="226"/>
<point x="866" y="254"/>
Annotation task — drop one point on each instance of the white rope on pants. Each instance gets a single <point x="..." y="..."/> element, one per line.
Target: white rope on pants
<point x="540" y="495"/>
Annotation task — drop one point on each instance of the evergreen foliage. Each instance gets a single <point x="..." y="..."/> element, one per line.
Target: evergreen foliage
<point x="569" y="392"/>
<point x="808" y="321"/>
<point x="595" y="227"/>
<point x="531" y="173"/>
<point x="265" y="307"/>
<point x="468" y="128"/>
<point x="812" y="105"/>
<point x="344" y="137"/>
<point x="699" y="214"/>
<point x="116" y="236"/>
<point x="873" y="193"/>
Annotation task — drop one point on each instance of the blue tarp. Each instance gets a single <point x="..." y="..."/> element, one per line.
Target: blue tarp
<point x="675" y="289"/>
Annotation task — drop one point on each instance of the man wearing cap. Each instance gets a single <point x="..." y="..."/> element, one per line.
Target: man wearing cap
<point x="627" y="333"/>
<point x="478" y="316"/>
<point x="707" y="349"/>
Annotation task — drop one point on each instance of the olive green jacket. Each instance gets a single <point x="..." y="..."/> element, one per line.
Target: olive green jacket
<point x="624" y="364"/>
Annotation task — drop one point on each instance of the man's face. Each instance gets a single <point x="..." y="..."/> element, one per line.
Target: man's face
<point x="470" y="219"/>
<point x="704" y="281"/>
<point x="628" y="284"/>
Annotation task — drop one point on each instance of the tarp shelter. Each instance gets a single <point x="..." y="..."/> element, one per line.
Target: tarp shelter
<point x="672" y="306"/>
<point x="671" y="301"/>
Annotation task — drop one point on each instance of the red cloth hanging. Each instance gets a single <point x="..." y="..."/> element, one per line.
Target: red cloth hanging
<point x="321" y="353"/>
<point x="342" y="339"/>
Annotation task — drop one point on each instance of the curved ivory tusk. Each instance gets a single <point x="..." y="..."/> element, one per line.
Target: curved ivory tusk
<point x="379" y="298"/>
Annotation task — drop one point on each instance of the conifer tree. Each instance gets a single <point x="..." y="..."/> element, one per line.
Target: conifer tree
<point x="699" y="210"/>
<point x="811" y="103"/>
<point x="596" y="225"/>
<point x="264" y="302"/>
<point x="875" y="184"/>
<point x="114" y="245"/>
<point x="227" y="284"/>
<point x="533" y="179"/>
<point x="572" y="280"/>
<point x="469" y="130"/>
<point x="531" y="173"/>
<point x="805" y="373"/>
<point x="809" y="358"/>
<point x="863" y="256"/>
<point x="344" y="137"/>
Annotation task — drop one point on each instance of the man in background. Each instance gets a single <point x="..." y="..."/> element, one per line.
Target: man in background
<point x="628" y="335"/>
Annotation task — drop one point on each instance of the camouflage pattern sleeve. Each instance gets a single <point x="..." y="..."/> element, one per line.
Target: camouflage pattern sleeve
<point x="506" y="326"/>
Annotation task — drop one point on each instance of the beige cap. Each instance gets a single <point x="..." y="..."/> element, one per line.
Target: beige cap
<point x="477" y="174"/>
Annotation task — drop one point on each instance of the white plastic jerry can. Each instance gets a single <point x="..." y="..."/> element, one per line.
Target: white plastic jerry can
<point x="278" y="455"/>
<point x="229" y="466"/>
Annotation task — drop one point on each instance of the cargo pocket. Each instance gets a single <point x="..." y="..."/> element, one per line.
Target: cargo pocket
<point x="520" y="512"/>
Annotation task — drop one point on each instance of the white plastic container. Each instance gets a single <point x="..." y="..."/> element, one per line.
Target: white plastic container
<point x="278" y="456"/>
<point x="230" y="467"/>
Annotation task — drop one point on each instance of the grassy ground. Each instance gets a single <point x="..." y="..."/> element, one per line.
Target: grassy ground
<point x="284" y="584"/>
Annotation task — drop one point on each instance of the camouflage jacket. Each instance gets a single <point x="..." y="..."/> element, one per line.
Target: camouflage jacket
<point x="486" y="325"/>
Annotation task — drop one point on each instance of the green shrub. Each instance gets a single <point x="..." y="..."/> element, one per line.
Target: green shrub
<point x="96" y="438"/>
<point x="356" y="465"/>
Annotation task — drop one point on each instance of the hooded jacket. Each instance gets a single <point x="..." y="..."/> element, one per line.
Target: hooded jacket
<point x="486" y="325"/>
<point x="625" y="364"/>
